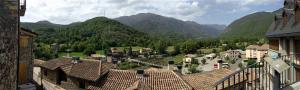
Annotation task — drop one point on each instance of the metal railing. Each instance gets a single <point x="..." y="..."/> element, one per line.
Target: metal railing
<point x="260" y="76"/>
<point x="291" y="59"/>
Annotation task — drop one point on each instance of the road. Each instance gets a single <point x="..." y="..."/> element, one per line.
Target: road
<point x="209" y="66"/>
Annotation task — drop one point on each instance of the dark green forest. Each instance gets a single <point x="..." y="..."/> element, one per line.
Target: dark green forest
<point x="101" y="33"/>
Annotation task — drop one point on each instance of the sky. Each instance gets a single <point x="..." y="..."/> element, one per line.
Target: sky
<point x="200" y="11"/>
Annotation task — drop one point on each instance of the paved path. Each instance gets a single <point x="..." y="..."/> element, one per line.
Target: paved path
<point x="146" y="63"/>
<point x="209" y="66"/>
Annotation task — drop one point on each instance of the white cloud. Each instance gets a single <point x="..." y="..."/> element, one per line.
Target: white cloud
<point x="247" y="2"/>
<point x="67" y="11"/>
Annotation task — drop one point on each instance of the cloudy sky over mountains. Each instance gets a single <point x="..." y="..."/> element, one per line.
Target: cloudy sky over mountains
<point x="201" y="11"/>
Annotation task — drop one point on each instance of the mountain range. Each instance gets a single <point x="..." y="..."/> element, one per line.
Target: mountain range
<point x="251" y="26"/>
<point x="154" y="24"/>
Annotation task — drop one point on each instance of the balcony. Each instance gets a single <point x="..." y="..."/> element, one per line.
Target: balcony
<point x="275" y="72"/>
<point x="13" y="7"/>
<point x="292" y="59"/>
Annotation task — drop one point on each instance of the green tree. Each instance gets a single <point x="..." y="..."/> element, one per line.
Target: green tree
<point x="189" y="46"/>
<point x="89" y="50"/>
<point x="44" y="52"/>
<point x="160" y="46"/>
<point x="203" y="61"/>
<point x="176" y="50"/>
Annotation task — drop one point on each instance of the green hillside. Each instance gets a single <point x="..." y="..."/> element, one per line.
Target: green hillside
<point x="157" y="25"/>
<point x="98" y="32"/>
<point x="251" y="26"/>
<point x="39" y="25"/>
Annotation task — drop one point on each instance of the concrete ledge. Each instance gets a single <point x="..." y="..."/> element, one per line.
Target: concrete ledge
<point x="295" y="86"/>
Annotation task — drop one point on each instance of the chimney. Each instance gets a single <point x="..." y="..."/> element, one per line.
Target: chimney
<point x="171" y="65"/>
<point x="100" y="67"/>
<point x="115" y="62"/>
<point x="220" y="63"/>
<point x="75" y="59"/>
<point x="68" y="52"/>
<point x="179" y="67"/>
<point x="140" y="73"/>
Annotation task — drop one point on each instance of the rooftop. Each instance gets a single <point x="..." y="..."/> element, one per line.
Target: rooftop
<point x="90" y="70"/>
<point x="151" y="80"/>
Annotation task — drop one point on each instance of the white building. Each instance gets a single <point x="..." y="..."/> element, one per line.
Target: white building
<point x="256" y="52"/>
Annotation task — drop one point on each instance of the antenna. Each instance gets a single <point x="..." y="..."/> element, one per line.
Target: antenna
<point x="104" y="12"/>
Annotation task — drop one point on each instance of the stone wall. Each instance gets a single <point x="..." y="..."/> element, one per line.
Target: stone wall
<point x="8" y="49"/>
<point x="51" y="75"/>
<point x="70" y="84"/>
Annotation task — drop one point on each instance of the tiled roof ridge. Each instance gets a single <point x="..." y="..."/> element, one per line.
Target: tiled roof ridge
<point x="100" y="67"/>
<point x="186" y="83"/>
<point x="134" y="86"/>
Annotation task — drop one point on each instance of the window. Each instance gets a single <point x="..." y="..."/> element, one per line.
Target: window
<point x="45" y="72"/>
<point x="81" y="84"/>
<point x="297" y="13"/>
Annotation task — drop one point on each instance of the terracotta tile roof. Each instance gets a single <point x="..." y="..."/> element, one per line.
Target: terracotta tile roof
<point x="252" y="47"/>
<point x="87" y="69"/>
<point x="152" y="80"/>
<point x="264" y="47"/>
<point x="206" y="81"/>
<point x="38" y="62"/>
<point x="56" y="63"/>
<point x="90" y="70"/>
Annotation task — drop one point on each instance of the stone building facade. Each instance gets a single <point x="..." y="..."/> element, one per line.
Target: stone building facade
<point x="8" y="48"/>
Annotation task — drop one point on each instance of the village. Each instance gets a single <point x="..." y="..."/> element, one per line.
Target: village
<point x="145" y="63"/>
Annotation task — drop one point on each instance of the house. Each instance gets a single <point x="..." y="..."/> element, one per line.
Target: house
<point x="116" y="53"/>
<point x="256" y="52"/>
<point x="145" y="50"/>
<point x="284" y="36"/>
<point x="74" y="74"/>
<point x="207" y="80"/>
<point x="141" y="80"/>
<point x="233" y="53"/>
<point x="98" y="57"/>
<point x="26" y="56"/>
<point x="188" y="58"/>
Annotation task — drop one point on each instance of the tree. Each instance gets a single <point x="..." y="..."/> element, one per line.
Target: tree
<point x="203" y="61"/>
<point x="193" y="69"/>
<point x="214" y="51"/>
<point x="189" y="46"/>
<point x="160" y="46"/>
<point x="89" y="50"/>
<point x="129" y="51"/>
<point x="44" y="51"/>
<point x="195" y="61"/>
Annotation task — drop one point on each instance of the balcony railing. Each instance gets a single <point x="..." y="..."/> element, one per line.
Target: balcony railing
<point x="292" y="59"/>
<point x="261" y="76"/>
<point x="13" y="7"/>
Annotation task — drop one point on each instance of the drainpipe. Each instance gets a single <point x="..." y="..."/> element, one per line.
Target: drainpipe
<point x="18" y="43"/>
<point x="276" y="81"/>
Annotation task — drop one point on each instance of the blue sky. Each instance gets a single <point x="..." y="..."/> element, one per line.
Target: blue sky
<point x="201" y="11"/>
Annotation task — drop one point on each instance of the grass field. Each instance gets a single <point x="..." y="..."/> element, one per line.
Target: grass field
<point x="209" y="50"/>
<point x="133" y="48"/>
<point x="177" y="59"/>
<point x="80" y="54"/>
<point x="170" y="49"/>
<point x="101" y="52"/>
